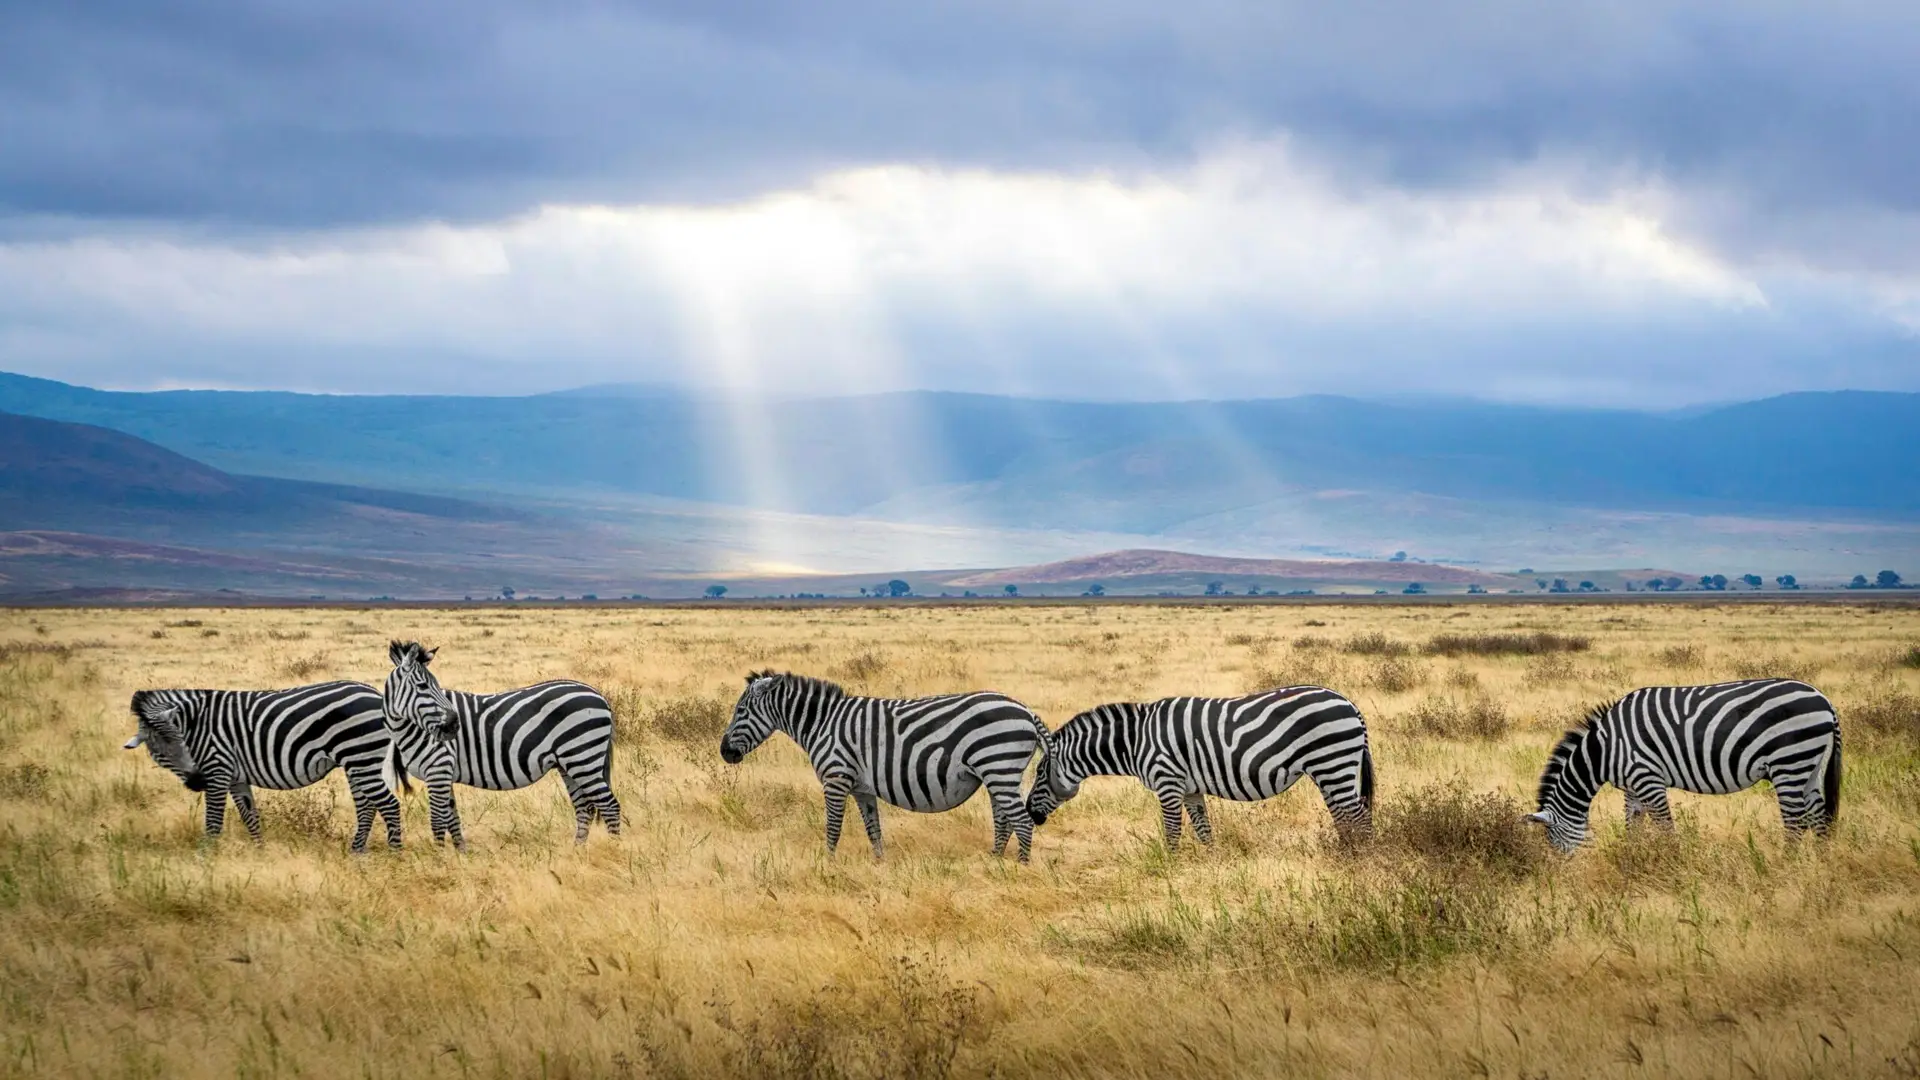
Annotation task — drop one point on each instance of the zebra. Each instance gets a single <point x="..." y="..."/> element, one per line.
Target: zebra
<point x="1713" y="740"/>
<point x="227" y="742"/>
<point x="925" y="754"/>
<point x="1186" y="748"/>
<point x="499" y="742"/>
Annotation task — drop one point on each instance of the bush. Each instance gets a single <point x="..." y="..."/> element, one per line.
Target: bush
<point x="305" y="667"/>
<point x="1447" y="718"/>
<point x="1549" y="669"/>
<point x="307" y="812"/>
<point x="1681" y="656"/>
<point x="862" y="667"/>
<point x="1396" y="675"/>
<point x="1375" y="644"/>
<point x="1910" y="658"/>
<point x="1449" y="824"/>
<point x="28" y="780"/>
<point x="1891" y="710"/>
<point x="687" y="718"/>
<point x="1533" y="644"/>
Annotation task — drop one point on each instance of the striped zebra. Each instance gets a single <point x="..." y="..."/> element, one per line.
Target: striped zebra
<point x="498" y="741"/>
<point x="228" y="742"/>
<point x="926" y="754"/>
<point x="1186" y="748"/>
<point x="1713" y="740"/>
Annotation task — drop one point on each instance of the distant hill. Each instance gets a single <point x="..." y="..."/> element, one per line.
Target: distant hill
<point x="1130" y="568"/>
<point x="56" y="475"/>
<point x="1038" y="464"/>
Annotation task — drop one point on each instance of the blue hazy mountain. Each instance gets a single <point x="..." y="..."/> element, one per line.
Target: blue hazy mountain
<point x="1035" y="463"/>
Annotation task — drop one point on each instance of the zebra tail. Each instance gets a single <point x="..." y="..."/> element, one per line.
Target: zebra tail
<point x="394" y="771"/>
<point x="1366" y="778"/>
<point x="1830" y="781"/>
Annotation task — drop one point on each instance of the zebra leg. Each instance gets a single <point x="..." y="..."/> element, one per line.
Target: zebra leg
<point x="610" y="811"/>
<point x="1197" y="812"/>
<point x="1647" y="797"/>
<point x="444" y="815"/>
<point x="1798" y="810"/>
<point x="870" y="816"/>
<point x="371" y="796"/>
<point x="1171" y="804"/>
<point x="1010" y="815"/>
<point x="216" y="810"/>
<point x="243" y="802"/>
<point x="836" y="810"/>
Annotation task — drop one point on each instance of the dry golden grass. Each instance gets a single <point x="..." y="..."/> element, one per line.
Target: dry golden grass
<point x="715" y="937"/>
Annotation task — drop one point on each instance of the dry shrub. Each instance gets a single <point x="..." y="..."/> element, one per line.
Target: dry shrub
<point x="862" y="667"/>
<point x="1680" y="656"/>
<point x="1448" y="718"/>
<point x="1396" y="674"/>
<point x="28" y="780"/>
<point x="185" y="624"/>
<point x="1548" y="670"/>
<point x="1450" y="824"/>
<point x="1463" y="679"/>
<point x="305" y="667"/>
<point x="1889" y="709"/>
<point x="307" y="812"/>
<point x="1311" y="642"/>
<point x="1910" y="658"/>
<point x="1375" y="643"/>
<point x="1774" y="666"/>
<point x="688" y="718"/>
<point x="14" y="650"/>
<point x="912" y="1026"/>
<point x="1415" y="913"/>
<point x="288" y="635"/>
<point x="1299" y="668"/>
<point x="1534" y="644"/>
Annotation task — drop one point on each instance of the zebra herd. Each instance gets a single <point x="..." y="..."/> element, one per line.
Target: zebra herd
<point x="932" y="754"/>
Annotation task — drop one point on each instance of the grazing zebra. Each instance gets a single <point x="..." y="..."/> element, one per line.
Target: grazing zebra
<point x="498" y="741"/>
<point x="1714" y="740"/>
<point x="1186" y="748"/>
<point x="227" y="742"/>
<point x="925" y="754"/>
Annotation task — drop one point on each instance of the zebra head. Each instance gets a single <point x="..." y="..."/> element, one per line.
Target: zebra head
<point x="413" y="695"/>
<point x="1053" y="781"/>
<point x="161" y="716"/>
<point x="1567" y="787"/>
<point x="755" y="716"/>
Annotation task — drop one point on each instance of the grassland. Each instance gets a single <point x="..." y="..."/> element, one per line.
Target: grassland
<point x="716" y="937"/>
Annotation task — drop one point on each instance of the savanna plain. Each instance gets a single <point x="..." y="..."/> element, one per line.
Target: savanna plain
<point x="717" y="938"/>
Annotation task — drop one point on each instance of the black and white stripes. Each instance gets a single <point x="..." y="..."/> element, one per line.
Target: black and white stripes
<point x="1185" y="748"/>
<point x="1714" y="739"/>
<point x="499" y="741"/>
<point x="227" y="742"/>
<point x="926" y="754"/>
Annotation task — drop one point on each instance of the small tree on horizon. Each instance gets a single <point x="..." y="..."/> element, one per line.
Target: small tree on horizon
<point x="715" y="592"/>
<point x="1887" y="579"/>
<point x="1096" y="589"/>
<point x="506" y="592"/>
<point x="1753" y="581"/>
<point x="896" y="587"/>
<point x="1859" y="582"/>
<point x="1012" y="590"/>
<point x="1786" y="581"/>
<point x="1214" y="588"/>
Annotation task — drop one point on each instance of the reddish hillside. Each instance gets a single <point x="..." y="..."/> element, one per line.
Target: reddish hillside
<point x="1149" y="563"/>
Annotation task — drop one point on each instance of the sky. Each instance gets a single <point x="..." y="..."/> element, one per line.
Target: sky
<point x="1643" y="204"/>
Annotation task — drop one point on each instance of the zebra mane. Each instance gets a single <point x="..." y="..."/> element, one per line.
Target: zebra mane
<point x="400" y="651"/>
<point x="824" y="687"/>
<point x="1570" y="741"/>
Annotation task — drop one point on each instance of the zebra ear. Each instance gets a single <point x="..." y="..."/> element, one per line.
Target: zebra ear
<point x="426" y="655"/>
<point x="1542" y="817"/>
<point x="134" y="743"/>
<point x="396" y="653"/>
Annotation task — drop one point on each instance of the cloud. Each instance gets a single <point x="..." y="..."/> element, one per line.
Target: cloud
<point x="1253" y="270"/>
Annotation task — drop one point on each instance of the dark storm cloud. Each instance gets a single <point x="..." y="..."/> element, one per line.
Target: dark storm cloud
<point x="297" y="115"/>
